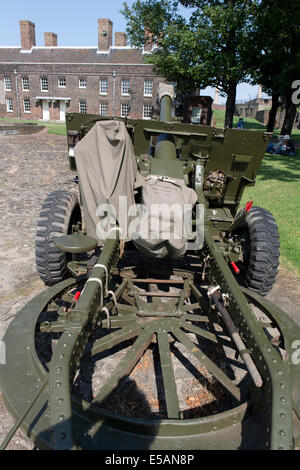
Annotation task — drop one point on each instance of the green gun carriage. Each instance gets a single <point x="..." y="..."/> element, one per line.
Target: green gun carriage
<point x="155" y="344"/>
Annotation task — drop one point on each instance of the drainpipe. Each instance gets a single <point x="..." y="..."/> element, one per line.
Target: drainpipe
<point x="114" y="92"/>
<point x="17" y="92"/>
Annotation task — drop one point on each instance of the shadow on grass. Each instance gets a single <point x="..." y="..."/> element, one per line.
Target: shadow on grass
<point x="254" y="125"/>
<point x="280" y="167"/>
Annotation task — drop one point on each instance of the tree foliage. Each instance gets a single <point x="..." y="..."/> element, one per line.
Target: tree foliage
<point x="205" y="50"/>
<point x="223" y="43"/>
<point x="274" y="52"/>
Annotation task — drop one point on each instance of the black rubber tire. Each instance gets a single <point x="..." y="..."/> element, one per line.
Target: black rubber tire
<point x="261" y="258"/>
<point x="59" y="212"/>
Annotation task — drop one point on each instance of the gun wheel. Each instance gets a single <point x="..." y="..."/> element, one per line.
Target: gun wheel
<point x="259" y="238"/>
<point x="60" y="212"/>
<point x="160" y="372"/>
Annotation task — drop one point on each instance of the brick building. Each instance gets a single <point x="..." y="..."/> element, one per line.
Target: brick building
<point x="250" y="108"/>
<point x="259" y="109"/>
<point x="45" y="82"/>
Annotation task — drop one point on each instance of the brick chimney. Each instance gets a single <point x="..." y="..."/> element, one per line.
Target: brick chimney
<point x="120" y="39"/>
<point x="105" y="33"/>
<point x="27" y="31"/>
<point x="50" y="39"/>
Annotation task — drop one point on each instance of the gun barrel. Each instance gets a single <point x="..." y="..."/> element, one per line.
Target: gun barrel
<point x="165" y="144"/>
<point x="165" y="108"/>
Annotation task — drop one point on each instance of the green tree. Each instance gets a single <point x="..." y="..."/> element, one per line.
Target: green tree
<point x="273" y="55"/>
<point x="205" y="50"/>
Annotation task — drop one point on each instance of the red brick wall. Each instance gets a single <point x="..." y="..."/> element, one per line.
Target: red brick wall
<point x="93" y="73"/>
<point x="27" y="31"/>
<point x="50" y="39"/>
<point x="222" y="107"/>
<point x="104" y="42"/>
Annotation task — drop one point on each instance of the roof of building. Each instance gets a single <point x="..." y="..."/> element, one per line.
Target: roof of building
<point x="71" y="55"/>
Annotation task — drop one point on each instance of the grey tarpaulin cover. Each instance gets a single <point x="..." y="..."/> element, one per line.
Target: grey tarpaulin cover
<point x="160" y="232"/>
<point x="107" y="169"/>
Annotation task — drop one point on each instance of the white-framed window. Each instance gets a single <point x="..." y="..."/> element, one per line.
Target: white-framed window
<point x="147" y="111"/>
<point x="7" y="84"/>
<point x="9" y="105"/>
<point x="82" y="83"/>
<point x="103" y="109"/>
<point x="196" y="115"/>
<point x="26" y="104"/>
<point x="25" y="83"/>
<point x="103" y="87"/>
<point x="124" y="109"/>
<point x="44" y="84"/>
<point x="62" y="82"/>
<point x="82" y="107"/>
<point x="148" y="87"/>
<point x="125" y="87"/>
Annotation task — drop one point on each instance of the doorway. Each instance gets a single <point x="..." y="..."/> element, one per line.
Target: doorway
<point x="62" y="111"/>
<point x="46" y="114"/>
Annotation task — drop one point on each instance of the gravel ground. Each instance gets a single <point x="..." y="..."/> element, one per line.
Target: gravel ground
<point x="32" y="167"/>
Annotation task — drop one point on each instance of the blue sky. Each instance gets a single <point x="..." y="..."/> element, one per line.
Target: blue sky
<point x="75" y="23"/>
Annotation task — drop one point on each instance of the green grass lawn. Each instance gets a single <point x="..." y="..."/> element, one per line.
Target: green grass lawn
<point x="278" y="190"/>
<point x="250" y="123"/>
<point x="53" y="127"/>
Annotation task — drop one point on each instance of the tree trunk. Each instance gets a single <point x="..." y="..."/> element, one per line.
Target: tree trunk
<point x="230" y="105"/>
<point x="273" y="112"/>
<point x="290" y="114"/>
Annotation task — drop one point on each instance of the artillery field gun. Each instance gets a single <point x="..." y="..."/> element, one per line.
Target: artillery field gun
<point x="162" y="341"/>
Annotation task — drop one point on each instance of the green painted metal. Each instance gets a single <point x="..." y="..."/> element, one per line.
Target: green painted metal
<point x="93" y="427"/>
<point x="75" y="243"/>
<point x="55" y="417"/>
<point x="219" y="149"/>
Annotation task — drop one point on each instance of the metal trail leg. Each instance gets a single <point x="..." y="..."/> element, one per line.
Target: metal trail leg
<point x="247" y="359"/>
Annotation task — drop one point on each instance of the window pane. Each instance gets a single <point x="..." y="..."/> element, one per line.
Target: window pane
<point x="44" y="84"/>
<point x="27" y="107"/>
<point x="147" y="111"/>
<point x="148" y="87"/>
<point x="25" y="83"/>
<point x="125" y="87"/>
<point x="82" y="83"/>
<point x="7" y="84"/>
<point x="62" y="83"/>
<point x="103" y="109"/>
<point x="196" y="115"/>
<point x="82" y="107"/>
<point x="9" y="105"/>
<point x="103" y="87"/>
<point x="124" y="110"/>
